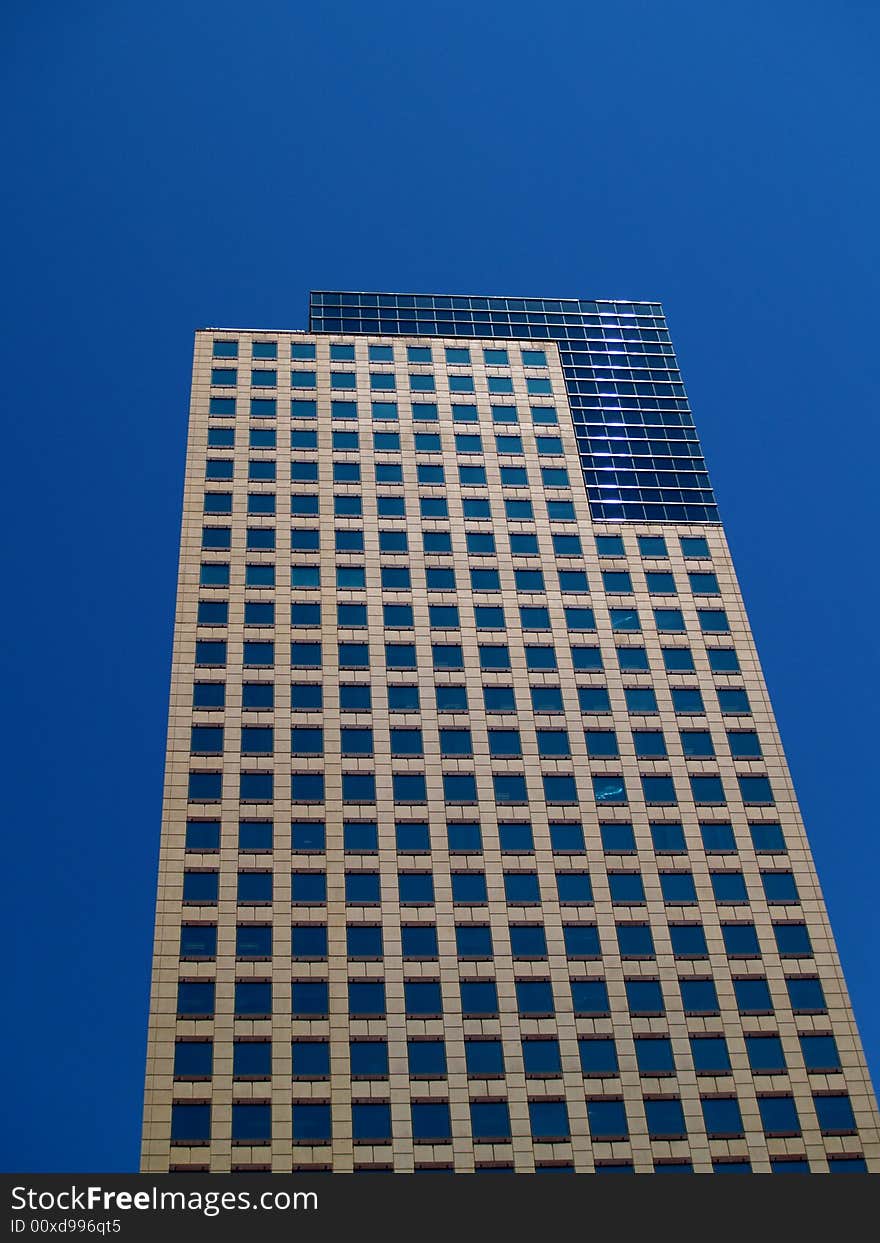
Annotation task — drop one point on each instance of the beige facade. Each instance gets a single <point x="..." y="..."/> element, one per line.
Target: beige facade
<point x="729" y="865"/>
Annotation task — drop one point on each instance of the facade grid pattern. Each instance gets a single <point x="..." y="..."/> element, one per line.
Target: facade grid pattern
<point x="479" y="847"/>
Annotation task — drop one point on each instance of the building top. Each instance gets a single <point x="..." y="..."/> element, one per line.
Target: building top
<point x="639" y="450"/>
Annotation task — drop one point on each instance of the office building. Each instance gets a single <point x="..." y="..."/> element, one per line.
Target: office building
<point x="479" y="850"/>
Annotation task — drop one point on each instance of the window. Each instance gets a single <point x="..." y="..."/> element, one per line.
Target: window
<point x="644" y="997"/>
<point x="733" y="701"/>
<point x="534" y="997"/>
<point x="193" y="1060"/>
<point x="678" y="887"/>
<point x="304" y="696"/>
<point x="360" y="836"/>
<point x="835" y="1114"/>
<point x="649" y="744"/>
<point x="713" y="620"/>
<point x="793" y="940"/>
<point x="665" y="1118"/>
<point x="403" y="698"/>
<point x="542" y="1057"/>
<point x="521" y="887"/>
<point x="617" y="838"/>
<point x="820" y="1053"/>
<point x="669" y="621"/>
<point x="654" y="1057"/>
<point x="504" y="742"/>
<point x="307" y="888"/>
<point x="490" y="1120"/>
<point x="449" y="656"/>
<point x="468" y="887"/>
<point x="366" y="998"/>
<point x="202" y="835"/>
<point x="546" y="698"/>
<point x="609" y="789"/>
<point x="253" y="997"/>
<point x="455" y="742"/>
<point x="515" y="836"/>
<point x="710" y="1054"/>
<point x="566" y="837"/>
<point x="190" y="1123"/>
<point x="430" y="1121"/>
<point x="574" y="887"/>
<point x="616" y="581"/>
<point x="198" y="941"/>
<point x="723" y="660"/>
<point x="699" y="996"/>
<point x="610" y="546"/>
<point x="473" y="942"/>
<point x="478" y="998"/>
<point x="694" y="546"/>
<point x="427" y="1059"/>
<point x="487" y="617"/>
<point x="668" y="836"/>
<point x="484" y="1057"/>
<point x="707" y="789"/>
<point x="598" y="1056"/>
<point x="464" y="835"/>
<point x="214" y="574"/>
<point x="395" y="578"/>
<point x="755" y="789"/>
<point x="259" y="576"/>
<point x="752" y="993"/>
<point x="499" y="698"/>
<point x="436" y="541"/>
<point x="309" y="998"/>
<point x="721" y="1116"/>
<point x="369" y="1059"/>
<point x="660" y="584"/>
<point x="308" y="942"/>
<point x="306" y="835"/>
<point x="419" y="941"/>
<point x="362" y="888"/>
<point x="635" y="940"/>
<point x="688" y="940"/>
<point x="607" y="1119"/>
<point x="767" y="837"/>
<point x="687" y="700"/>
<point x="370" y="1122"/>
<point x="740" y="940"/>
<point x="779" y="887"/>
<point x="641" y="699"/>
<point x="311" y="1122"/>
<point x="697" y="743"/>
<point x="200" y="887"/>
<point x="765" y="1054"/>
<point x="416" y="888"/>
<point x="355" y="741"/>
<point x="590" y="997"/>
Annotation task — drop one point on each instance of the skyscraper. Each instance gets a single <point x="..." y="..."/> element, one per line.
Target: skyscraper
<point x="479" y="847"/>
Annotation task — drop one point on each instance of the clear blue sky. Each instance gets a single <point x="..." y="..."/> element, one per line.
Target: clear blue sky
<point x="176" y="165"/>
